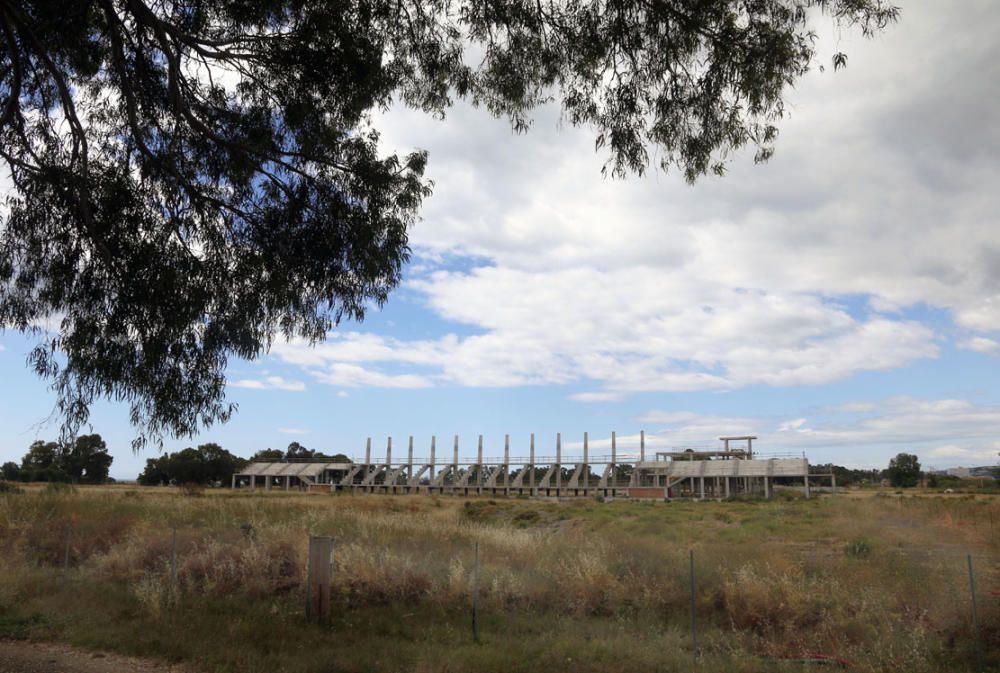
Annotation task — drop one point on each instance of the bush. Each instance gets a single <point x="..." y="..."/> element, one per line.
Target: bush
<point x="7" y="487"/>
<point x="858" y="549"/>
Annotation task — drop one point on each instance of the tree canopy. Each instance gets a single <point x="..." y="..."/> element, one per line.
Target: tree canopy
<point x="209" y="463"/>
<point x="85" y="460"/>
<point x="904" y="470"/>
<point x="192" y="179"/>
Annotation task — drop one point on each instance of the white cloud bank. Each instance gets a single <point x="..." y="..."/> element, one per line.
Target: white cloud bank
<point x="940" y="431"/>
<point x="269" y="383"/>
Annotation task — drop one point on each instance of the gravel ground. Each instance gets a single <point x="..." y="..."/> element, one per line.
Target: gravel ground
<point x="21" y="656"/>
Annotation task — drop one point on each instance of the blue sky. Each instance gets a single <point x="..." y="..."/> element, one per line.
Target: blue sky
<point x="842" y="300"/>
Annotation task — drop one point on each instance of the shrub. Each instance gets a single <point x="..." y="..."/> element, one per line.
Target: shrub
<point x="858" y="548"/>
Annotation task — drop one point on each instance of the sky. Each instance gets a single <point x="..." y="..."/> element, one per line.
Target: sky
<point x="842" y="300"/>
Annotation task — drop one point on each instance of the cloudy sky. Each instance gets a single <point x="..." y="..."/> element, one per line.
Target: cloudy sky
<point x="842" y="300"/>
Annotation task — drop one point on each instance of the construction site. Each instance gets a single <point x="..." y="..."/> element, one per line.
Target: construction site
<point x="731" y="470"/>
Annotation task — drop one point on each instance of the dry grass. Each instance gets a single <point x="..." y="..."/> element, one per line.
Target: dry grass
<point x="878" y="581"/>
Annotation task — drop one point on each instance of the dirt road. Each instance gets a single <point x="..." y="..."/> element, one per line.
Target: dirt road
<point x="21" y="656"/>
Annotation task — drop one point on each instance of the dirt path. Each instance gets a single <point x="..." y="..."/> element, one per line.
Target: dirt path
<point x="21" y="656"/>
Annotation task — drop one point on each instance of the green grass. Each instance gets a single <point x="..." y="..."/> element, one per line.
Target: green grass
<point x="580" y="585"/>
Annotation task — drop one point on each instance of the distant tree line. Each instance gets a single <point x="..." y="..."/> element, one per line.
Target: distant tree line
<point x="296" y="453"/>
<point x="212" y="464"/>
<point x="84" y="461"/>
<point x="903" y="472"/>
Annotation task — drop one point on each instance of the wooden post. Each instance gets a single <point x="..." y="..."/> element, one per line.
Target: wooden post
<point x="694" y="624"/>
<point x="173" y="560"/>
<point x="975" y="617"/>
<point x="69" y="530"/>
<point x="475" y="596"/>
<point x="319" y="575"/>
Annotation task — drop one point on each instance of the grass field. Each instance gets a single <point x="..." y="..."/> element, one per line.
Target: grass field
<point x="880" y="582"/>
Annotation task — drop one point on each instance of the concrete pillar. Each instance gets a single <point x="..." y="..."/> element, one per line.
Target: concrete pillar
<point x="614" y="458"/>
<point x="642" y="446"/>
<point x="288" y="481"/>
<point x="807" y="485"/>
<point x="267" y="482"/>
<point x="368" y="456"/>
<point x="433" y="451"/>
<point x="702" y="487"/>
<point x="833" y="482"/>
<point x="558" y="463"/>
<point x="506" y="462"/>
<point x="479" y="465"/>
<point x="454" y="464"/>
<point x="727" y="486"/>
<point x="531" y="460"/>
<point x="586" y="464"/>
<point x="234" y="481"/>
<point x="409" y="460"/>
<point x="767" y="488"/>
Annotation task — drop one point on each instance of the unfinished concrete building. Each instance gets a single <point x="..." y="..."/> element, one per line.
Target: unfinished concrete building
<point x="732" y="470"/>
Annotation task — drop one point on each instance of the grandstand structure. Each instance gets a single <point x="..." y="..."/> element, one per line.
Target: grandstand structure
<point x="732" y="470"/>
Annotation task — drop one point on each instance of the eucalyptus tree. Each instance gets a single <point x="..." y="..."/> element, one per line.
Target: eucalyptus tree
<point x="191" y="179"/>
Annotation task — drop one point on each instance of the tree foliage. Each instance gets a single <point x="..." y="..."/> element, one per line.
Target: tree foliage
<point x="194" y="179"/>
<point x="296" y="453"/>
<point x="207" y="464"/>
<point x="85" y="460"/>
<point x="904" y="470"/>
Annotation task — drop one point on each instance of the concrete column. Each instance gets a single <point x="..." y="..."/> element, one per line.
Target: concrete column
<point x="767" y="488"/>
<point x="833" y="482"/>
<point x="642" y="446"/>
<point x="288" y="481"/>
<point x="702" y="487"/>
<point x="614" y="458"/>
<point x="253" y="482"/>
<point x="234" y="481"/>
<point x="433" y="451"/>
<point x="727" y="486"/>
<point x="807" y="485"/>
<point x="267" y="482"/>
<point x="586" y="464"/>
<point x="368" y="456"/>
<point x="454" y="465"/>
<point x="409" y="460"/>
<point x="479" y="465"/>
<point x="531" y="460"/>
<point x="506" y="462"/>
<point x="558" y="463"/>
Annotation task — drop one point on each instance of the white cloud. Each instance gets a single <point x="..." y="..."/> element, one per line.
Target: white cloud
<point x="797" y="425"/>
<point x="342" y="393"/>
<point x="971" y="457"/>
<point x="894" y="421"/>
<point x="605" y="396"/>
<point x="348" y="375"/>
<point x="879" y="197"/>
<point x="293" y="431"/>
<point x="269" y="383"/>
<point x="981" y="345"/>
